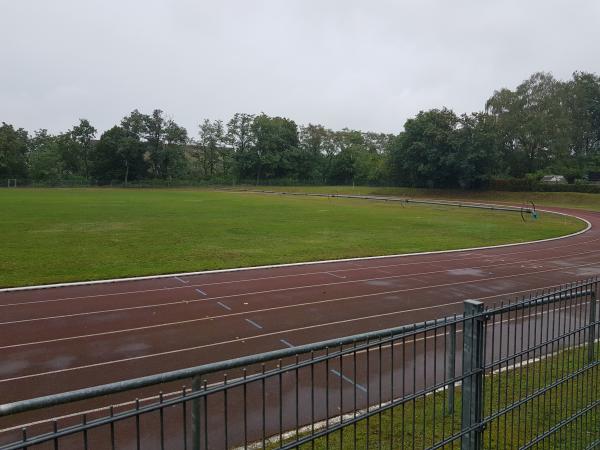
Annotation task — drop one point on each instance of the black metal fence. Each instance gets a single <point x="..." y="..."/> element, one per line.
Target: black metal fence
<point x="516" y="375"/>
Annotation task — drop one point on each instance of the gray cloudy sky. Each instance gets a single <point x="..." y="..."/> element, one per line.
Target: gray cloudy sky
<point x="343" y="63"/>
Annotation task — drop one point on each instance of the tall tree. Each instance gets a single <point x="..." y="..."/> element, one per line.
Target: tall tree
<point x="582" y="101"/>
<point x="425" y="154"/>
<point x="532" y="123"/>
<point x="479" y="153"/>
<point x="163" y="138"/>
<point x="308" y="161"/>
<point x="240" y="138"/>
<point x="348" y="146"/>
<point x="210" y="146"/>
<point x="13" y="152"/>
<point x="83" y="135"/>
<point x="276" y="138"/>
<point x="119" y="155"/>
<point x="47" y="157"/>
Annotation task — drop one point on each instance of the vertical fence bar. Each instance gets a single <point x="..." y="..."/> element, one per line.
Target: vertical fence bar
<point x="451" y="367"/>
<point x="472" y="387"/>
<point x="196" y="414"/>
<point x="592" y="327"/>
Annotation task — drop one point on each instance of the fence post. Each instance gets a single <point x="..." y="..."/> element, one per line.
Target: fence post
<point x="472" y="384"/>
<point x="196" y="414"/>
<point x="592" y="327"/>
<point x="451" y="367"/>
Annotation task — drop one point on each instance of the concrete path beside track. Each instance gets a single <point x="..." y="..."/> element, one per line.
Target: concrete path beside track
<point x="63" y="338"/>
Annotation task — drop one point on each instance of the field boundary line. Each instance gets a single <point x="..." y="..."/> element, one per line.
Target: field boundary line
<point x="305" y="263"/>
<point x="291" y="275"/>
<point x="277" y="290"/>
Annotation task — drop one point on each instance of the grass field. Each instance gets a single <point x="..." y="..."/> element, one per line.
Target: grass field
<point x="575" y="200"/>
<point x="57" y="235"/>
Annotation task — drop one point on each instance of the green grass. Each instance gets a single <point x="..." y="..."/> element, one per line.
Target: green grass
<point x="575" y="200"/>
<point x="58" y="235"/>
<point x="425" y="422"/>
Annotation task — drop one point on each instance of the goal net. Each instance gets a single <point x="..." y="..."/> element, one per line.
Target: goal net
<point x="12" y="182"/>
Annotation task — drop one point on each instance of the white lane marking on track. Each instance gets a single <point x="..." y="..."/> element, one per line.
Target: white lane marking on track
<point x="181" y="302"/>
<point x="274" y="333"/>
<point x="298" y="305"/>
<point x="349" y="380"/>
<point x="180" y="280"/>
<point x="335" y="275"/>
<point x="275" y="266"/>
<point x="201" y="292"/>
<point x="252" y="322"/>
<point x="292" y="306"/>
<point x="286" y="343"/>
<point x="223" y="305"/>
<point x="213" y="344"/>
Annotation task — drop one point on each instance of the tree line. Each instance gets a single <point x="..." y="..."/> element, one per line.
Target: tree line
<point x="543" y="126"/>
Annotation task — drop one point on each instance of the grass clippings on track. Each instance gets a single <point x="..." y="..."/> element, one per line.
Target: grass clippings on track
<point x="61" y="235"/>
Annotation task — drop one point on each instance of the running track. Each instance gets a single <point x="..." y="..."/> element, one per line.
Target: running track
<point x="63" y="338"/>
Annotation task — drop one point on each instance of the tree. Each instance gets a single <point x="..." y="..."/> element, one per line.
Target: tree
<point x="582" y="101"/>
<point x="119" y="154"/>
<point x="163" y="138"/>
<point x="533" y="124"/>
<point x="135" y="123"/>
<point x="348" y="145"/>
<point x="425" y="154"/>
<point x="175" y="139"/>
<point x="209" y="150"/>
<point x="476" y="142"/>
<point x="83" y="135"/>
<point x="13" y="152"/>
<point x="275" y="139"/>
<point x="241" y="139"/>
<point x="46" y="157"/>
<point x="309" y="161"/>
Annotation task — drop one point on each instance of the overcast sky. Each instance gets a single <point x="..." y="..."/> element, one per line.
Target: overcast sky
<point x="360" y="64"/>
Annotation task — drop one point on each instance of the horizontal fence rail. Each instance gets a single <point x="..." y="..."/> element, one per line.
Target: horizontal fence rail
<point x="517" y="375"/>
<point x="529" y="209"/>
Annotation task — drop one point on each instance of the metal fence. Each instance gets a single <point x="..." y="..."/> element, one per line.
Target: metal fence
<point x="516" y="375"/>
<point x="527" y="208"/>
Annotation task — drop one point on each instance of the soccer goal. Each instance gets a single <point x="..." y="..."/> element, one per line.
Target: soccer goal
<point x="12" y="182"/>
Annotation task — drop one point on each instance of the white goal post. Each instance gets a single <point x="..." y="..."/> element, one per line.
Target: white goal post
<point x="12" y="182"/>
